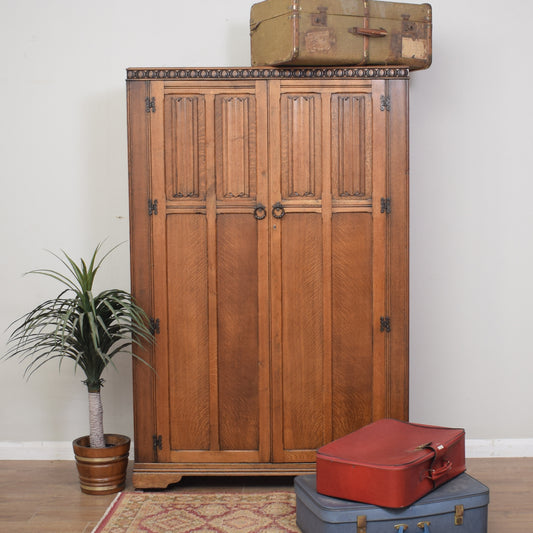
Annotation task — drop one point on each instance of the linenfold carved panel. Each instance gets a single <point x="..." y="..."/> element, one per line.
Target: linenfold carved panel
<point x="185" y="147"/>
<point x="300" y="146"/>
<point x="350" y="146"/>
<point x="235" y="131"/>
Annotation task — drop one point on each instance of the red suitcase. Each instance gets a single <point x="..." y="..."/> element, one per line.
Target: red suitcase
<point x="390" y="463"/>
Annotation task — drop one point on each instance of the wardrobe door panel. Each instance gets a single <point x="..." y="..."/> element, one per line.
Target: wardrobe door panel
<point x="185" y="146"/>
<point x="298" y="417"/>
<point x="236" y="146"/>
<point x="351" y="322"/>
<point x="351" y="146"/>
<point x="300" y="139"/>
<point x="238" y="345"/>
<point x="188" y="334"/>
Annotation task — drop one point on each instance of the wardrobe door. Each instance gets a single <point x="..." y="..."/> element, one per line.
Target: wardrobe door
<point x="327" y="257"/>
<point x="210" y="271"/>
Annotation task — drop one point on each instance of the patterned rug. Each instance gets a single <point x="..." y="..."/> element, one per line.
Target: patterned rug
<point x="205" y="512"/>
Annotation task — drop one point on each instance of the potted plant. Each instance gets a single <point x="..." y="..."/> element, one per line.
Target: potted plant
<point x="90" y="330"/>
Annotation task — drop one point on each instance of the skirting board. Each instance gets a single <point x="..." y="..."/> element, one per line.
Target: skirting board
<point x="54" y="451"/>
<point x="477" y="448"/>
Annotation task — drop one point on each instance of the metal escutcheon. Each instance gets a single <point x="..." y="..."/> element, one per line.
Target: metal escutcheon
<point x="278" y="211"/>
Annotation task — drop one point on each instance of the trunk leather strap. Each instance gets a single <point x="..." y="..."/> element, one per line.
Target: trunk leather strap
<point x="366" y="32"/>
<point x="366" y="23"/>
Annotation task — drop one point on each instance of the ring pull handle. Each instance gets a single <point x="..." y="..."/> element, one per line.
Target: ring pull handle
<point x="401" y="527"/>
<point x="424" y="526"/>
<point x="278" y="211"/>
<point x="260" y="212"/>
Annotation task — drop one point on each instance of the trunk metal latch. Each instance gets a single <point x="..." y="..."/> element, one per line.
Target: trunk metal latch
<point x="459" y="515"/>
<point x="320" y="18"/>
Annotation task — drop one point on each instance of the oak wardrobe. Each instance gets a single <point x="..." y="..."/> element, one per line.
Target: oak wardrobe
<point x="269" y="245"/>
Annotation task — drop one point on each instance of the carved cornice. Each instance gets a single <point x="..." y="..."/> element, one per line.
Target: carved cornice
<point x="252" y="73"/>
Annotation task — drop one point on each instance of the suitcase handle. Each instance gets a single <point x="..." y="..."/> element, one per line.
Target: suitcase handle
<point x="402" y="528"/>
<point x="436" y="473"/>
<point x="368" y="32"/>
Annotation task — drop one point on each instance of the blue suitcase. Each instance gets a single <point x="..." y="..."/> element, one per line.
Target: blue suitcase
<point x="458" y="506"/>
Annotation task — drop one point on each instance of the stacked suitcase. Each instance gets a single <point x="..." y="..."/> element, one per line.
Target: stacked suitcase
<point x="392" y="476"/>
<point x="341" y="32"/>
<point x="458" y="506"/>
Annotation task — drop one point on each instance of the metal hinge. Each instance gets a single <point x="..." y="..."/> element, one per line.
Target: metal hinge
<point x="149" y="104"/>
<point x="152" y="207"/>
<point x="384" y="324"/>
<point x="154" y="325"/>
<point x="385" y="206"/>
<point x="157" y="442"/>
<point x="385" y="104"/>
<point x="361" y="524"/>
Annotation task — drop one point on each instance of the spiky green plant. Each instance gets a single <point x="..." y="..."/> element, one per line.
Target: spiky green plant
<point x="89" y="330"/>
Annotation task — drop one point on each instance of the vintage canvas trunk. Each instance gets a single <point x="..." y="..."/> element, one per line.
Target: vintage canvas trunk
<point x="458" y="506"/>
<point x="390" y="463"/>
<point x="340" y="32"/>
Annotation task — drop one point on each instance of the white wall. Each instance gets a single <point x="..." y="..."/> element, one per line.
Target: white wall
<point x="471" y="224"/>
<point x="63" y="156"/>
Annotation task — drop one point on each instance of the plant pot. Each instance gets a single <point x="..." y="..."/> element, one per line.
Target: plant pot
<point x="102" y="470"/>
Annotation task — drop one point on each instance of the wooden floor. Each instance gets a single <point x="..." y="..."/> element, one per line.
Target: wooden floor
<point x="44" y="496"/>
